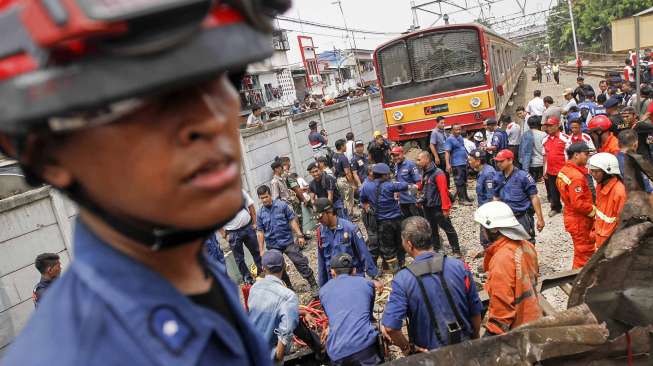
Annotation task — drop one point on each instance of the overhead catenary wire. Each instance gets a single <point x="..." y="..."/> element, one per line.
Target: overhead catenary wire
<point x="334" y="27"/>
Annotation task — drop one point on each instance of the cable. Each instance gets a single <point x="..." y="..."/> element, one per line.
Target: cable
<point x="334" y="27"/>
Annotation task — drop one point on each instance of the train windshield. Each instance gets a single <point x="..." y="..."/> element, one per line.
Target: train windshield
<point x="431" y="63"/>
<point x="445" y="54"/>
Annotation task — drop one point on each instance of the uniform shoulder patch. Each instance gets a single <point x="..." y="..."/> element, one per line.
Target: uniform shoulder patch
<point x="489" y="183"/>
<point x="578" y="189"/>
<point x="359" y="234"/>
<point x="530" y="179"/>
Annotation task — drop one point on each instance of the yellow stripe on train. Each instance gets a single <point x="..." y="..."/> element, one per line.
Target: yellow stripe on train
<point x="455" y="104"/>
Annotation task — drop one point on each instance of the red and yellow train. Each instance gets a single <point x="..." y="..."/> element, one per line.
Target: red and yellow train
<point x="464" y="72"/>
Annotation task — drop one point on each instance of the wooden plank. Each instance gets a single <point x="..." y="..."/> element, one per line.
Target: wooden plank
<point x="566" y="288"/>
<point x="546" y="306"/>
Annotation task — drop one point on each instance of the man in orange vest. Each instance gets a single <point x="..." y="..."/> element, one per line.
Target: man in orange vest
<point x="610" y="195"/>
<point x="599" y="129"/>
<point x="577" y="198"/>
<point x="513" y="271"/>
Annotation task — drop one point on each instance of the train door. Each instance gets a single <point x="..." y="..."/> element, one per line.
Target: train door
<point x="494" y="73"/>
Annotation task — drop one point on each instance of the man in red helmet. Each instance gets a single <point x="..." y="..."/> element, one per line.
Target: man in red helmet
<point x="604" y="139"/>
<point x="554" y="156"/>
<point x="136" y="121"/>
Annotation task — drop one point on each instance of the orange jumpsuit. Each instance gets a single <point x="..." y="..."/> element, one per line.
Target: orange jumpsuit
<point x="578" y="210"/>
<point x="513" y="272"/>
<point x="611" y="145"/>
<point x="610" y="200"/>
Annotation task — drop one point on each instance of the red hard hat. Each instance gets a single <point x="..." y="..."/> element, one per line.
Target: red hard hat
<point x="504" y="154"/>
<point x="600" y="122"/>
<point x="552" y="121"/>
<point x="397" y="150"/>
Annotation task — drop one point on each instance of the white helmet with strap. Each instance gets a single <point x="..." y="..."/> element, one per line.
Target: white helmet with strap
<point x="606" y="162"/>
<point x="498" y="215"/>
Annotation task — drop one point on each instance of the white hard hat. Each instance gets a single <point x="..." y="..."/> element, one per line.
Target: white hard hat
<point x="498" y="215"/>
<point x="494" y="215"/>
<point x="606" y="162"/>
<point x="478" y="136"/>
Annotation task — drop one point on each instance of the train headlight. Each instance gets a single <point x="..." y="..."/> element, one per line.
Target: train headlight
<point x="397" y="115"/>
<point x="475" y="102"/>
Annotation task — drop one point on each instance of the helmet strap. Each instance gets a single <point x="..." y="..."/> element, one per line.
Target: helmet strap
<point x="152" y="235"/>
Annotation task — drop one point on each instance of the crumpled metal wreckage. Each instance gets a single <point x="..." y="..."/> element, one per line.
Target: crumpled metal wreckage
<point x="609" y="320"/>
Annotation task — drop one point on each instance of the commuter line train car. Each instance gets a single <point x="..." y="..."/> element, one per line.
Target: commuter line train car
<point x="464" y="72"/>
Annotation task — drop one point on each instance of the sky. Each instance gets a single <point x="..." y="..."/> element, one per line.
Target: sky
<point x="392" y="16"/>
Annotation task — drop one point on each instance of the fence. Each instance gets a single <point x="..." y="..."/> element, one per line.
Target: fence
<point x="41" y="220"/>
<point x="289" y="137"/>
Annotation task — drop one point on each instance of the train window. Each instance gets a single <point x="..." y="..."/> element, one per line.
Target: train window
<point x="445" y="54"/>
<point x="395" y="68"/>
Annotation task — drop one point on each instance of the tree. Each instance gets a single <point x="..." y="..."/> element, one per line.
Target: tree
<point x="592" y="19"/>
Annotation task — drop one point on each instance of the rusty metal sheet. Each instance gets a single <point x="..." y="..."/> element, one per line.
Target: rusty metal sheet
<point x="617" y="281"/>
<point x="570" y="332"/>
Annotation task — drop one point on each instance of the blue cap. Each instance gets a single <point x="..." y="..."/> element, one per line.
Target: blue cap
<point x="272" y="260"/>
<point x="611" y="103"/>
<point x="573" y="116"/>
<point x="478" y="154"/>
<point x="342" y="260"/>
<point x="381" y="168"/>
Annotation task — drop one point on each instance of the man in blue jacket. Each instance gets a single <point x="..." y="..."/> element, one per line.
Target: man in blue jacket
<point x="406" y="171"/>
<point x="380" y="197"/>
<point x="484" y="181"/>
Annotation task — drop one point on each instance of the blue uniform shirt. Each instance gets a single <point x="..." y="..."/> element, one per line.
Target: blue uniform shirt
<point x="485" y="184"/>
<point x="274" y="222"/>
<point x="359" y="165"/>
<point x="500" y="140"/>
<point x="438" y="138"/>
<point x="387" y="207"/>
<point x="348" y="302"/>
<point x="408" y="172"/>
<point x="406" y="301"/>
<point x="515" y="190"/>
<point x="340" y="163"/>
<point x="108" y="309"/>
<point x="456" y="148"/>
<point x="316" y="140"/>
<point x="346" y="238"/>
<point x="212" y="247"/>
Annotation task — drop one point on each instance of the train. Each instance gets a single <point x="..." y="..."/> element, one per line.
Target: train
<point x="464" y="72"/>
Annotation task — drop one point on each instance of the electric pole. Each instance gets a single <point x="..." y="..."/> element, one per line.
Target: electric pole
<point x="573" y="29"/>
<point x="344" y="20"/>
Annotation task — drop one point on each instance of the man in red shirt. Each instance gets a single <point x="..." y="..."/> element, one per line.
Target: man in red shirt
<point x="554" y="159"/>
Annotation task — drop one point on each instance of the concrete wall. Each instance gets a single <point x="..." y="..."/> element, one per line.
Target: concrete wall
<point x="289" y="137"/>
<point x="31" y="223"/>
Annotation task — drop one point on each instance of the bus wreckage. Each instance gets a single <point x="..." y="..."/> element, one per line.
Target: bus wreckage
<point x="609" y="319"/>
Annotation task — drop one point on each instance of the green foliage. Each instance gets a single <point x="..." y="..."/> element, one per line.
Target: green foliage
<point x="592" y="19"/>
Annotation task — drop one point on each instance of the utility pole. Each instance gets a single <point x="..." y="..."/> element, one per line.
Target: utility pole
<point x="344" y="20"/>
<point x="415" y="19"/>
<point x="573" y="29"/>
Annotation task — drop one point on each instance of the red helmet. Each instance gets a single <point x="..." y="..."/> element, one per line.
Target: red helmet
<point x="600" y="122"/>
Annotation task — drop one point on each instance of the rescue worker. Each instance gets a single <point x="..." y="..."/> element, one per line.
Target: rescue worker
<point x="49" y="266"/>
<point x="324" y="185"/>
<point x="346" y="181"/>
<point x="576" y="195"/>
<point x="359" y="161"/>
<point x="512" y="267"/>
<point x="241" y="230"/>
<point x="610" y="195"/>
<point x="379" y="149"/>
<point x="438" y="138"/>
<point x="485" y="180"/>
<point x="379" y="196"/>
<point x="278" y="186"/>
<point x="335" y="236"/>
<point x="352" y="337"/>
<point x="436" y="203"/>
<point x="436" y="293"/>
<point x="518" y="190"/>
<point x="275" y="224"/>
<point x="600" y="129"/>
<point x="296" y="197"/>
<point x="456" y="163"/>
<point x="141" y="130"/>
<point x="554" y="155"/>
<point x="406" y="171"/>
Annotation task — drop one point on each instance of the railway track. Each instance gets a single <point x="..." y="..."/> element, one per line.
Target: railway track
<point x="598" y="71"/>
